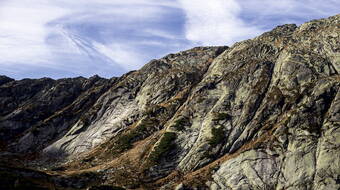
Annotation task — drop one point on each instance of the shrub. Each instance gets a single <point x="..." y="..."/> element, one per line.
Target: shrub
<point x="200" y="100"/>
<point x="221" y="116"/>
<point x="217" y="136"/>
<point x="165" y="145"/>
<point x="126" y="141"/>
<point x="180" y="123"/>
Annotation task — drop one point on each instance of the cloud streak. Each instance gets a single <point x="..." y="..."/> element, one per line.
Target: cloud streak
<point x="65" y="38"/>
<point x="86" y="37"/>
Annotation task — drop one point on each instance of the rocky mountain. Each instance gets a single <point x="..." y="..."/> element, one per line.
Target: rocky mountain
<point x="262" y="114"/>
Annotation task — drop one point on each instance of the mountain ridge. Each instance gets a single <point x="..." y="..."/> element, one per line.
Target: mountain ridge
<point x="261" y="114"/>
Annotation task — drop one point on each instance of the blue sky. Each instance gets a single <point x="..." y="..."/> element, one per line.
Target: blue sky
<point x="68" y="38"/>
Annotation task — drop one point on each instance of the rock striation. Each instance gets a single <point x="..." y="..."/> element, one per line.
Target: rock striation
<point x="262" y="114"/>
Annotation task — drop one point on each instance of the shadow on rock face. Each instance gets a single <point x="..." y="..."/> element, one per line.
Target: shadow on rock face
<point x="20" y="179"/>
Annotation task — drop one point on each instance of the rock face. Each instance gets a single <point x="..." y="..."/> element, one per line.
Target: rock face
<point x="35" y="112"/>
<point x="262" y="114"/>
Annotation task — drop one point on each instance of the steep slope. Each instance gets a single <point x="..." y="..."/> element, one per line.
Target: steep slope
<point x="262" y="114"/>
<point x="41" y="110"/>
<point x="126" y="102"/>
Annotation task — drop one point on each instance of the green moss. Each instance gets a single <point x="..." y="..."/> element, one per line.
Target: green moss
<point x="165" y="145"/>
<point x="180" y="123"/>
<point x="126" y="141"/>
<point x="217" y="136"/>
<point x="221" y="116"/>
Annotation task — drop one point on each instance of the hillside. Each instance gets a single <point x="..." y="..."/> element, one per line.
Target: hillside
<point x="261" y="114"/>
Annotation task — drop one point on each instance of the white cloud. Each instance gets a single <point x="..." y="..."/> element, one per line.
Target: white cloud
<point x="23" y="31"/>
<point x="221" y="22"/>
<point x="215" y="22"/>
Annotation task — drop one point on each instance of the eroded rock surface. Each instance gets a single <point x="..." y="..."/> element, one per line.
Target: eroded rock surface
<point x="262" y="114"/>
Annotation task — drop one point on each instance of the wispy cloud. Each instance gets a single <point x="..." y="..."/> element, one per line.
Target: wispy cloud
<point x="267" y="13"/>
<point x="84" y="37"/>
<point x="23" y="31"/>
<point x="215" y="22"/>
<point x="221" y="22"/>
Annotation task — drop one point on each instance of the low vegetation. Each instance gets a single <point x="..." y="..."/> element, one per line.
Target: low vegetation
<point x="180" y="124"/>
<point x="221" y="116"/>
<point x="217" y="136"/>
<point x="165" y="145"/>
<point x="144" y="129"/>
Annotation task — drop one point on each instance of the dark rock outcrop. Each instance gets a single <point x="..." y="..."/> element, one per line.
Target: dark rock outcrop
<point x="4" y="80"/>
